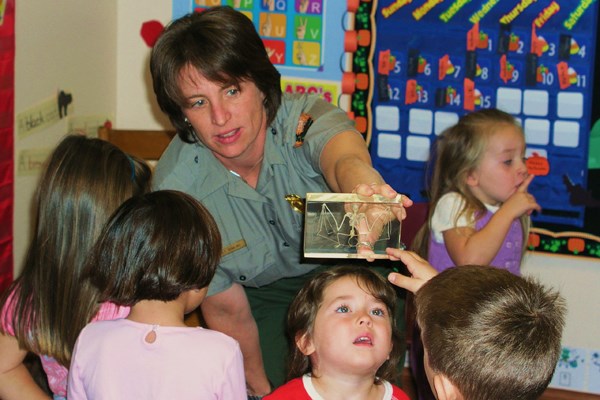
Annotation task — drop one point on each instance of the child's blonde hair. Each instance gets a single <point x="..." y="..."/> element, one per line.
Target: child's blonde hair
<point x="457" y="153"/>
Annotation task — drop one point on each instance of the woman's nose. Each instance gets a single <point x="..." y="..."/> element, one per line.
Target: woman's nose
<point x="220" y="114"/>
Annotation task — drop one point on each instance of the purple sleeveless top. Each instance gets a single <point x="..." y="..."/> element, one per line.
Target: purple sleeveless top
<point x="508" y="257"/>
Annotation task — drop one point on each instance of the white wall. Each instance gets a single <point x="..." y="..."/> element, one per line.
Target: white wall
<point x="136" y="105"/>
<point x="578" y="280"/>
<point x="72" y="45"/>
<point x="60" y="45"/>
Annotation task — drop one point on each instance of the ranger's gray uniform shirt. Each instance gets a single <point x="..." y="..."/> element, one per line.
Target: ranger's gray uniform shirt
<point x="261" y="233"/>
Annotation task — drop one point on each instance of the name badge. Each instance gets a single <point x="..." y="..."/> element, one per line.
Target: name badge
<point x="235" y="246"/>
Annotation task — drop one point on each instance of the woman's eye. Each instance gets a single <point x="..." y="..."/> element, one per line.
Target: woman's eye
<point x="342" y="309"/>
<point x="198" y="103"/>
<point x="233" y="91"/>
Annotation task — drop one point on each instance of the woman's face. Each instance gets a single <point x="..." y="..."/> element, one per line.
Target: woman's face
<point x="231" y="121"/>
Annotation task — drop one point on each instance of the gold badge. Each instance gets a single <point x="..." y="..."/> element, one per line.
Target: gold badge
<point x="296" y="202"/>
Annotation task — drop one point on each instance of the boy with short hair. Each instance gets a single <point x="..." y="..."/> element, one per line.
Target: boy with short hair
<point x="487" y="334"/>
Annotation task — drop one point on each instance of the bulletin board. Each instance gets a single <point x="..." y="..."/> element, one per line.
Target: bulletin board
<point x="434" y="61"/>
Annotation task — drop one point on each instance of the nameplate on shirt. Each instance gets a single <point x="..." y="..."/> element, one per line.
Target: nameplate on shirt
<point x="235" y="246"/>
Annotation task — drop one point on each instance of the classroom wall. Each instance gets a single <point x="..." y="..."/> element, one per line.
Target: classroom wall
<point x="578" y="280"/>
<point x="60" y="45"/>
<point x="136" y="105"/>
<point x="72" y="46"/>
<point x="94" y="50"/>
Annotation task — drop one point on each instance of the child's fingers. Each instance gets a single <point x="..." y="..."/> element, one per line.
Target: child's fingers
<point x="405" y="282"/>
<point x="419" y="268"/>
<point x="525" y="184"/>
<point x="407" y="257"/>
<point x="533" y="205"/>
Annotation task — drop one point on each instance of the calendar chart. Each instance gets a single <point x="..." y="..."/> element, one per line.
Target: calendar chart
<point x="434" y="61"/>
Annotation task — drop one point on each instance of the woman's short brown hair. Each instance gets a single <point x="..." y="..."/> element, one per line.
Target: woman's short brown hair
<point x="223" y="45"/>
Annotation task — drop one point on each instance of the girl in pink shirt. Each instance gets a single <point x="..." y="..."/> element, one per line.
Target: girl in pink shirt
<point x="157" y="255"/>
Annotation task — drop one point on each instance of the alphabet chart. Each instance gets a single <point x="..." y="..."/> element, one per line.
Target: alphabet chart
<point x="437" y="60"/>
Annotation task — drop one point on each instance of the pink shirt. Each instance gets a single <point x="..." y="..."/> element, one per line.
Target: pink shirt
<point x="56" y="373"/>
<point x="113" y="360"/>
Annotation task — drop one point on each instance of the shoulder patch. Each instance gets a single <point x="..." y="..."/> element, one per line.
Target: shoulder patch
<point x="304" y="122"/>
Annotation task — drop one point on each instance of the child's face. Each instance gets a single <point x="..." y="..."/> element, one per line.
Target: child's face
<point x="352" y="333"/>
<point x="501" y="169"/>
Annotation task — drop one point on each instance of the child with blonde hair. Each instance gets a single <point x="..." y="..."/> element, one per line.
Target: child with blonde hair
<point x="479" y="205"/>
<point x="347" y="345"/>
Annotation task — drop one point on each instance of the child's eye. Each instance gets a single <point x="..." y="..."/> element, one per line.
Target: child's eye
<point x="508" y="162"/>
<point x="378" y="312"/>
<point x="342" y="309"/>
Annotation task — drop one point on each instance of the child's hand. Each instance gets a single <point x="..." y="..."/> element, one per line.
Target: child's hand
<point x="521" y="201"/>
<point x="421" y="271"/>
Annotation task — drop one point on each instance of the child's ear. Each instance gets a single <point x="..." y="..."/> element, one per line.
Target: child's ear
<point x="444" y="389"/>
<point x="472" y="178"/>
<point x="305" y="344"/>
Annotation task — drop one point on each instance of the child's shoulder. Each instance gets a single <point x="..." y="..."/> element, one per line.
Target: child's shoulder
<point x="398" y="394"/>
<point x="292" y="390"/>
<point x="451" y="198"/>
<point x="110" y="311"/>
<point x="215" y="336"/>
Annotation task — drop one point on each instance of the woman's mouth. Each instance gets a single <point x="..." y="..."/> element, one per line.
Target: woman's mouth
<point x="228" y="137"/>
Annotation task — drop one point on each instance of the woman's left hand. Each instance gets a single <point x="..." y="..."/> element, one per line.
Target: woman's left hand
<point x="369" y="189"/>
<point x="370" y="227"/>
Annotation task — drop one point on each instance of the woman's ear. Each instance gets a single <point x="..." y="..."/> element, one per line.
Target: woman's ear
<point x="444" y="389"/>
<point x="305" y="344"/>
